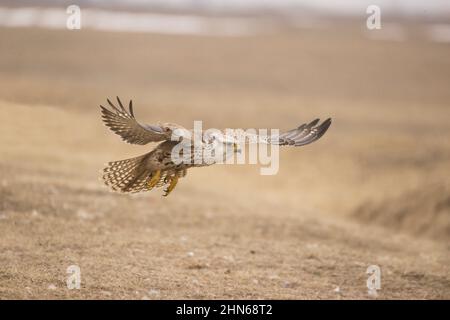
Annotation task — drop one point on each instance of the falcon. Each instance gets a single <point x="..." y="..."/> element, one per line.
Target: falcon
<point x="157" y="168"/>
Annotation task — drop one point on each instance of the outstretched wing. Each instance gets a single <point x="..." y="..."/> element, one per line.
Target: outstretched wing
<point x="123" y="123"/>
<point x="304" y="134"/>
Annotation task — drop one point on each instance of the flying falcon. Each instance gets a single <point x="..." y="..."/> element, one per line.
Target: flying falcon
<point x="157" y="168"/>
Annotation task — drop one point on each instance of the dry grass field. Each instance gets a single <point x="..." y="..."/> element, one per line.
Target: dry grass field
<point x="374" y="190"/>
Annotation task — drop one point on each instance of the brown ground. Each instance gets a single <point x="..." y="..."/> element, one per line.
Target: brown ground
<point x="374" y="190"/>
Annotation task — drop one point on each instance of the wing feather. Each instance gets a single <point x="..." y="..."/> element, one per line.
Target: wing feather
<point x="123" y="123"/>
<point x="303" y="135"/>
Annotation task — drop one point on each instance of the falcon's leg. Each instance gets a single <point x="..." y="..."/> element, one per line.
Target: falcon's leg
<point x="172" y="184"/>
<point x="154" y="180"/>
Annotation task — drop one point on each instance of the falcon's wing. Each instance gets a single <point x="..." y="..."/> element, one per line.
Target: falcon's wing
<point x="304" y="134"/>
<point x="123" y="123"/>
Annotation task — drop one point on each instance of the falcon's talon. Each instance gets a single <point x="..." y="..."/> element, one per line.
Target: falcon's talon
<point x="172" y="184"/>
<point x="154" y="180"/>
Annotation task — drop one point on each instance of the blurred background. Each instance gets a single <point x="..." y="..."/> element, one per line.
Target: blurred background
<point x="374" y="189"/>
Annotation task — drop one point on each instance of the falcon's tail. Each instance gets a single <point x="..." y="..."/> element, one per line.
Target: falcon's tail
<point x="130" y="175"/>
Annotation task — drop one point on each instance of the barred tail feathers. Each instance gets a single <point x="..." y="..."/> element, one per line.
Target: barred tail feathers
<point x="132" y="175"/>
<point x="129" y="175"/>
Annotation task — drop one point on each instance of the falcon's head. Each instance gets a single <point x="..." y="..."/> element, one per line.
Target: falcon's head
<point x="230" y="144"/>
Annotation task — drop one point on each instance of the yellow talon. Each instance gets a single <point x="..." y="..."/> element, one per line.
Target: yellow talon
<point x="154" y="180"/>
<point x="173" y="183"/>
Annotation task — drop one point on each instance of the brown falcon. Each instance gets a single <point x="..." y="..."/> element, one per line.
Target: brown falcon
<point x="157" y="168"/>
